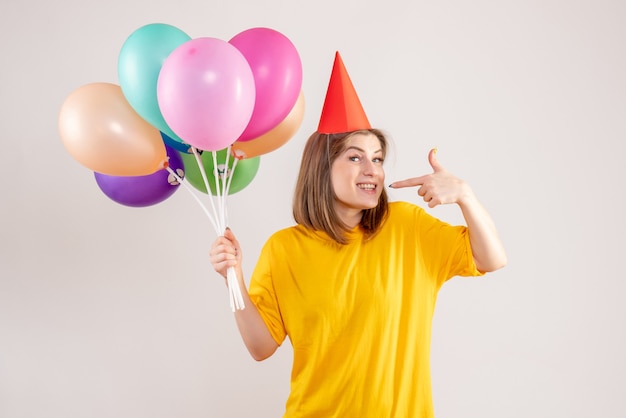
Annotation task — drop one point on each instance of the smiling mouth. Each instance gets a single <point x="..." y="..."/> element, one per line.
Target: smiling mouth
<point x="366" y="186"/>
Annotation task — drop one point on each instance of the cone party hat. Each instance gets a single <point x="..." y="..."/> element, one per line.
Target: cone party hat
<point x="342" y="111"/>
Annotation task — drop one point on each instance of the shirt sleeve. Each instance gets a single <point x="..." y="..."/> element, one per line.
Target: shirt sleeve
<point x="447" y="249"/>
<point x="263" y="295"/>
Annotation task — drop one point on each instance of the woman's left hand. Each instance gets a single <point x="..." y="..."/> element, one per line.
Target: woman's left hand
<point x="439" y="188"/>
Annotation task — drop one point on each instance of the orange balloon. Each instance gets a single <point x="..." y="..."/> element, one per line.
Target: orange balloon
<point x="276" y="137"/>
<point x="103" y="132"/>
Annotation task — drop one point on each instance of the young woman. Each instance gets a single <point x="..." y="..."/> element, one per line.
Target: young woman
<point x="354" y="283"/>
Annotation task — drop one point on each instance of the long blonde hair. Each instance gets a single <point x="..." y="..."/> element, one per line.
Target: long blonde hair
<point x="313" y="201"/>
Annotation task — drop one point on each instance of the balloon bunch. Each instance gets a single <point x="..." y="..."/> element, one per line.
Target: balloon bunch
<point x="197" y="112"/>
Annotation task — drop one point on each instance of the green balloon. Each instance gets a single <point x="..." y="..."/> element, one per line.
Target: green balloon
<point x="242" y="175"/>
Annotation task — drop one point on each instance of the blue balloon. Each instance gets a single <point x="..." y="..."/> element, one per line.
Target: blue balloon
<point x="178" y="146"/>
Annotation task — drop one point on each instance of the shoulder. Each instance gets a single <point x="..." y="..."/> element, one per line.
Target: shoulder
<point x="401" y="209"/>
<point x="405" y="213"/>
<point x="282" y="234"/>
<point x="296" y="241"/>
<point x="401" y="205"/>
<point x="289" y="235"/>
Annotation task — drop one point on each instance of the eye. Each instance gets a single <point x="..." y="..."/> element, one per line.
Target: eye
<point x="378" y="160"/>
<point x="354" y="158"/>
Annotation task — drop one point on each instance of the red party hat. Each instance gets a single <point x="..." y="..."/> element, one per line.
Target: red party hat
<point x="342" y="111"/>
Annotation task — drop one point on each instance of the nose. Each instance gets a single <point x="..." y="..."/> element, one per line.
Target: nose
<point x="369" y="168"/>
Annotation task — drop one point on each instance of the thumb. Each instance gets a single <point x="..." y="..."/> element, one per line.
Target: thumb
<point x="434" y="162"/>
<point x="228" y="233"/>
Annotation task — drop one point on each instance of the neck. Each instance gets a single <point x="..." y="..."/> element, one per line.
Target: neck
<point x="350" y="217"/>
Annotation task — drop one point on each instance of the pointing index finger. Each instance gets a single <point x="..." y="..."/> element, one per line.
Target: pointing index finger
<point x="412" y="182"/>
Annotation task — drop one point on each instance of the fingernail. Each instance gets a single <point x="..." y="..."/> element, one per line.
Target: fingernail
<point x="390" y="186"/>
<point x="435" y="150"/>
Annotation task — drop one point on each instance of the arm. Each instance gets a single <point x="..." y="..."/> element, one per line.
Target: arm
<point x="489" y="254"/>
<point x="440" y="188"/>
<point x="226" y="252"/>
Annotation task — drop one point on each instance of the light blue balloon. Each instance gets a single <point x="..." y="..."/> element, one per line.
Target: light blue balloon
<point x="139" y="63"/>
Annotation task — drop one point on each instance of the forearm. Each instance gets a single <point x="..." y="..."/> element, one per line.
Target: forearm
<point x="252" y="328"/>
<point x="226" y="254"/>
<point x="488" y="251"/>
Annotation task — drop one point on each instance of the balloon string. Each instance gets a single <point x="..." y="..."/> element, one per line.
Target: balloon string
<point x="184" y="183"/>
<point x="234" y="291"/>
<point x="208" y="188"/>
<point x="227" y="181"/>
<point x="236" y="299"/>
<point x="216" y="177"/>
<point x="230" y="179"/>
<point x="227" y="174"/>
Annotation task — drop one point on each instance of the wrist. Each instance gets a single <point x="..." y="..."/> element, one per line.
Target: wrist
<point x="467" y="197"/>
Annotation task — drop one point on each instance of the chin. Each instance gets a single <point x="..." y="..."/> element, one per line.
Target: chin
<point x="370" y="205"/>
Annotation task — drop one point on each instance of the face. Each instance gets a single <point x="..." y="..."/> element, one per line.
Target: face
<point x="358" y="177"/>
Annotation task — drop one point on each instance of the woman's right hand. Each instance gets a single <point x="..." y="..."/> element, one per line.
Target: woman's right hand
<point x="226" y="252"/>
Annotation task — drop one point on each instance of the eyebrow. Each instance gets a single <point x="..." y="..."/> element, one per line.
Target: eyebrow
<point x="380" y="150"/>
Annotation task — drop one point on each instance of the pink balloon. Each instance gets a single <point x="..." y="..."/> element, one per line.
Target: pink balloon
<point x="277" y="71"/>
<point x="206" y="93"/>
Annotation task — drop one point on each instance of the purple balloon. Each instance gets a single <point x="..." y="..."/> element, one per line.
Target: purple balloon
<point x="141" y="191"/>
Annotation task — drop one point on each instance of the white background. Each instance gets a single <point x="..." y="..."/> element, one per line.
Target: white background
<point x="109" y="311"/>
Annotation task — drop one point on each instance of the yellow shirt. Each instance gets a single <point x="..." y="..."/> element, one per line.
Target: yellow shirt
<point x="359" y="315"/>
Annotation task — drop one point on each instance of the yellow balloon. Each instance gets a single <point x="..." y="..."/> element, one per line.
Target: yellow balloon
<point x="100" y="130"/>
<point x="276" y="137"/>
